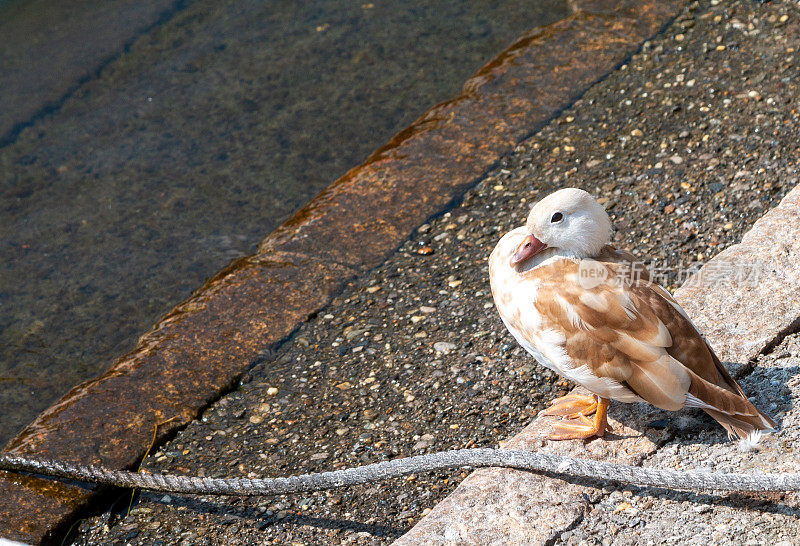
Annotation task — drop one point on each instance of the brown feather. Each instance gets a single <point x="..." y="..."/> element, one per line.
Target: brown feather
<point x="732" y="410"/>
<point x="661" y="382"/>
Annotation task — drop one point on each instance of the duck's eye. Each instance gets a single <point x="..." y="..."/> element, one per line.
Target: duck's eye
<point x="557" y="217"/>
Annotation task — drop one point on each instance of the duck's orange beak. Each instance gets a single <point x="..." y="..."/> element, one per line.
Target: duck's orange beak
<point x="531" y="246"/>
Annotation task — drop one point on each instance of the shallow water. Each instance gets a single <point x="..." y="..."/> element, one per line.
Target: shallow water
<point x="154" y="158"/>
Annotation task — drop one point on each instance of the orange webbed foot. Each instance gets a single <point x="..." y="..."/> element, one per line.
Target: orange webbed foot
<point x="572" y="406"/>
<point x="582" y="427"/>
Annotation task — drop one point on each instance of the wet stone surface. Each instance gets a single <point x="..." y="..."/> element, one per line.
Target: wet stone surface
<point x="218" y="120"/>
<point x="411" y="358"/>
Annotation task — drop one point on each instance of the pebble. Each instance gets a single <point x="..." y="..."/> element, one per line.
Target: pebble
<point x="444" y="346"/>
<point x="351" y="332"/>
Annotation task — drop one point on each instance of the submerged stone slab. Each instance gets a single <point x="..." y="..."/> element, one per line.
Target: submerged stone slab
<point x="49" y="48"/>
<point x="195" y="353"/>
<point x="740" y="317"/>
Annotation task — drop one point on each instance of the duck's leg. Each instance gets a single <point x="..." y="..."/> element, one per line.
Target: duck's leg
<point x="583" y="427"/>
<point x="572" y="405"/>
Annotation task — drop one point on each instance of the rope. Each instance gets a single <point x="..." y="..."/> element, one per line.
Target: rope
<point x="507" y="458"/>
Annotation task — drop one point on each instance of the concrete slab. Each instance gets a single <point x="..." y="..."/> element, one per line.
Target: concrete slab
<point x="746" y="298"/>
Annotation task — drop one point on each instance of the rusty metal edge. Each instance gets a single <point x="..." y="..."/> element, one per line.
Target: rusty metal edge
<point x="370" y="211"/>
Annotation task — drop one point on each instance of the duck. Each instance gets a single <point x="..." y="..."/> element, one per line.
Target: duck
<point x="592" y="314"/>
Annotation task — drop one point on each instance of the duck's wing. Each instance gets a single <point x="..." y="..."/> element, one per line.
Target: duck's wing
<point x="619" y="325"/>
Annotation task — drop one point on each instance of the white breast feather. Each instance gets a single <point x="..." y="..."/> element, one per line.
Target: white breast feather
<point x="515" y="296"/>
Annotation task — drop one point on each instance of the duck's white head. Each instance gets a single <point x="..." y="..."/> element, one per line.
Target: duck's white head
<point x="569" y="221"/>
